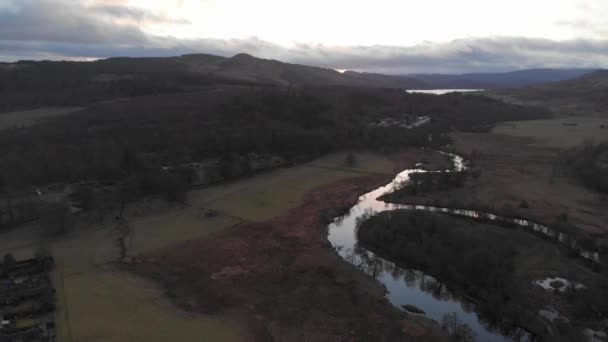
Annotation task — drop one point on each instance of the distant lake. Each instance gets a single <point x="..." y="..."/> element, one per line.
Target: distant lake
<point x="442" y="91"/>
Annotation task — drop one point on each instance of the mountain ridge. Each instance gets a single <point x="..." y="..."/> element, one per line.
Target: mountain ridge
<point x="584" y="95"/>
<point x="500" y="80"/>
<point x="33" y="84"/>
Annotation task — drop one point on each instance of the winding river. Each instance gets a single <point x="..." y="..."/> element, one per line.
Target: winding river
<point x="406" y="286"/>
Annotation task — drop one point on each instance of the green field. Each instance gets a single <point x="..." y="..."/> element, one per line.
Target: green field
<point x="270" y="194"/>
<point x="96" y="302"/>
<point x="31" y="117"/>
<point x="558" y="132"/>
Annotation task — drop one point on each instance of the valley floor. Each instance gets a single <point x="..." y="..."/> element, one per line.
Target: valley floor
<point x="102" y="300"/>
<point x="559" y="132"/>
<point x="262" y="265"/>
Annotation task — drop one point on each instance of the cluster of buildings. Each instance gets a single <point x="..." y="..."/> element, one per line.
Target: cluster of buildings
<point x="27" y="300"/>
<point x="406" y="121"/>
<point x="215" y="170"/>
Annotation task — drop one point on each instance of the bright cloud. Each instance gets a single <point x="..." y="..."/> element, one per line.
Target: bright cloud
<point x="381" y="22"/>
<point x="391" y="36"/>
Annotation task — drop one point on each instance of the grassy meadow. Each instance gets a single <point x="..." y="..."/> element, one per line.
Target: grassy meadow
<point x="97" y="302"/>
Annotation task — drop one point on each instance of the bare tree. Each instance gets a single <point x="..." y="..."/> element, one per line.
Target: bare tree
<point x="351" y="160"/>
<point x="456" y="329"/>
<point x="56" y="218"/>
<point x="124" y="232"/>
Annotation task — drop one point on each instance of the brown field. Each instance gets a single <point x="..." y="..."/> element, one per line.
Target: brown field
<point x="553" y="132"/>
<point x="96" y="301"/>
<point x="32" y="117"/>
<point x="283" y="280"/>
<point x="516" y="169"/>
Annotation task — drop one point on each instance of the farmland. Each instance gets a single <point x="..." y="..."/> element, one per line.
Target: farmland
<point x="31" y="117"/>
<point x="562" y="132"/>
<point x="96" y="300"/>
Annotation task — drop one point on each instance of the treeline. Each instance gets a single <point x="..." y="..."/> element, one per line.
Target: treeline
<point x="18" y="210"/>
<point x="55" y="216"/>
<point x="588" y="92"/>
<point x="589" y="163"/>
<point x="427" y="182"/>
<point x="470" y="112"/>
<point x="428" y="242"/>
<point x="29" y="84"/>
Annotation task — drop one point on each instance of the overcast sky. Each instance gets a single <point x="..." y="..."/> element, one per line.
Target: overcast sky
<point x="390" y="36"/>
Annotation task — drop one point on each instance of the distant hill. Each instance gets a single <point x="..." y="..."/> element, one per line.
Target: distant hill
<point x="29" y="84"/>
<point x="245" y="67"/>
<point x="504" y="80"/>
<point x="585" y="95"/>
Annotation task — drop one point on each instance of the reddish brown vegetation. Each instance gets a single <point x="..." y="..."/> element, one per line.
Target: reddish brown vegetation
<point x="282" y="278"/>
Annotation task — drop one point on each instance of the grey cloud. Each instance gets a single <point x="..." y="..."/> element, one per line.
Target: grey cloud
<point x="466" y="55"/>
<point x="62" y="21"/>
<point x="66" y="29"/>
<point x="134" y="14"/>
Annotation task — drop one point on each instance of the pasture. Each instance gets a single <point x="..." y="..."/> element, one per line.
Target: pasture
<point x="98" y="302"/>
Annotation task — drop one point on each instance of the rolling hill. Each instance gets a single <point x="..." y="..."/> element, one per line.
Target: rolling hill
<point x="29" y="84"/>
<point x="585" y="95"/>
<point x="504" y="80"/>
<point x="247" y="68"/>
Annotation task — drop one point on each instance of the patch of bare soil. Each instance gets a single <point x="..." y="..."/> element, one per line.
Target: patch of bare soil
<point x="283" y="280"/>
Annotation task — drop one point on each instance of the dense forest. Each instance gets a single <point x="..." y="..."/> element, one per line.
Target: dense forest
<point x="581" y="96"/>
<point x="589" y="163"/>
<point x="161" y="144"/>
<point x="26" y="85"/>
<point x="427" y="241"/>
<point x="114" y="140"/>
